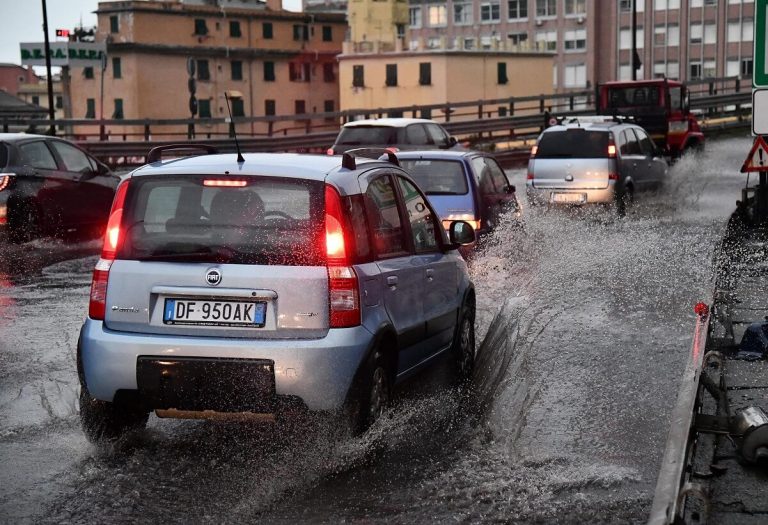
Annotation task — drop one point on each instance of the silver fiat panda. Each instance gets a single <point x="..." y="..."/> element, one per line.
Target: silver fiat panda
<point x="234" y="289"/>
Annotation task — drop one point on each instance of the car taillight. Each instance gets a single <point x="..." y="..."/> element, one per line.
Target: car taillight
<point x="97" y="307"/>
<point x="343" y="290"/>
<point x="612" y="150"/>
<point x="225" y="183"/>
<point x="5" y="180"/>
<point x="112" y="239"/>
<point x="529" y="175"/>
<point x="393" y="149"/>
<point x="329" y="151"/>
<point x="534" y="151"/>
<point x="613" y="176"/>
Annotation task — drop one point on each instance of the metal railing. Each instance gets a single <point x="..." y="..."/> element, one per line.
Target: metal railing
<point x="499" y="124"/>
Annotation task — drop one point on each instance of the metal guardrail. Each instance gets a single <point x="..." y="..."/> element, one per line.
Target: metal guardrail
<point x="667" y="499"/>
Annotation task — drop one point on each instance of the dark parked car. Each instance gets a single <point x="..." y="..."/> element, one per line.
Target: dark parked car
<point x="394" y="134"/>
<point x="49" y="186"/>
<point x="462" y="185"/>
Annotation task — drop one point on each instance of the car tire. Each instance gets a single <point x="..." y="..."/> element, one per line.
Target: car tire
<point x="103" y="421"/>
<point x="464" y="343"/>
<point x="24" y="223"/>
<point x="624" y="201"/>
<point x="375" y="395"/>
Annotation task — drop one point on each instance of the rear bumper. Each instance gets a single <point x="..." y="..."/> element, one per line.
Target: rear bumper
<point x="318" y="371"/>
<point x="546" y="196"/>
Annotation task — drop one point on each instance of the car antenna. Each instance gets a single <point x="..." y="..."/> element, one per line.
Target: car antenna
<point x="240" y="158"/>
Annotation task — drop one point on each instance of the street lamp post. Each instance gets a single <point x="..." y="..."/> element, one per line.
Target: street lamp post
<point x="51" y="109"/>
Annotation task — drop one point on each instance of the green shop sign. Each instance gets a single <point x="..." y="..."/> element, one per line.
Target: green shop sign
<point x="63" y="53"/>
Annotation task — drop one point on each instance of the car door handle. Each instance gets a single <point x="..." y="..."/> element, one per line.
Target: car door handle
<point x="430" y="274"/>
<point x="392" y="281"/>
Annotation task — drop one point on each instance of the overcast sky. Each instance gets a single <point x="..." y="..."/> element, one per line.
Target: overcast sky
<point x="23" y="21"/>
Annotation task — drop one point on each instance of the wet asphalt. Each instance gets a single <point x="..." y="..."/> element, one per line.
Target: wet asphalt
<point x="585" y="321"/>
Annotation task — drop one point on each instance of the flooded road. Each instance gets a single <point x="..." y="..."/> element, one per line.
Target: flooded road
<point x="586" y="322"/>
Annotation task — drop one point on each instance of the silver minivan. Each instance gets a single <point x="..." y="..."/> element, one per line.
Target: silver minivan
<point x="593" y="162"/>
<point x="230" y="289"/>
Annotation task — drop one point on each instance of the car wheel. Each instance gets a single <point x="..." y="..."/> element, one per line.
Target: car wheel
<point x="624" y="201"/>
<point x="464" y="343"/>
<point x="103" y="421"/>
<point x="376" y="394"/>
<point x="24" y="223"/>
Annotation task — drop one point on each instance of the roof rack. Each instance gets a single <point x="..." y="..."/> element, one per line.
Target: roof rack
<point x="348" y="159"/>
<point x="156" y="153"/>
<point x="596" y="119"/>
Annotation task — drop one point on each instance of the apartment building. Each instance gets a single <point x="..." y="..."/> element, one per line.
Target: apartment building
<point x="269" y="61"/>
<point x="591" y="39"/>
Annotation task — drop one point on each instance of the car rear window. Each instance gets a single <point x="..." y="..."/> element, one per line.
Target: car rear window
<point x="573" y="143"/>
<point x="3" y="155"/>
<point x="195" y="219"/>
<point x="437" y="177"/>
<point x="636" y="96"/>
<point x="367" y="135"/>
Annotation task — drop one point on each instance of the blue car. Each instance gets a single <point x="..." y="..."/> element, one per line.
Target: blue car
<point x="462" y="185"/>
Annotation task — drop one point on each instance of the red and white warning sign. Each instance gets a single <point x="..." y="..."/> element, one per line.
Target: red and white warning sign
<point x="757" y="159"/>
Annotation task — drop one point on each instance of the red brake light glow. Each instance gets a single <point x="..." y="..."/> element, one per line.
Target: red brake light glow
<point x="393" y="149"/>
<point x="113" y="235"/>
<point x="225" y="183"/>
<point x="335" y="246"/>
<point x="534" y="150"/>
<point x="329" y="151"/>
<point x="5" y="180"/>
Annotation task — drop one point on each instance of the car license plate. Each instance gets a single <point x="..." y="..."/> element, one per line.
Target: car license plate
<point x="215" y="313"/>
<point x="569" y="198"/>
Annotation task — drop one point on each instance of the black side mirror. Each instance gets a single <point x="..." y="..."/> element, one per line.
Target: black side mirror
<point x="452" y="141"/>
<point x="461" y="233"/>
<point x="510" y="188"/>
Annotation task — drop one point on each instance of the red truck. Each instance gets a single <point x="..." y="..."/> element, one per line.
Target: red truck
<point x="660" y="106"/>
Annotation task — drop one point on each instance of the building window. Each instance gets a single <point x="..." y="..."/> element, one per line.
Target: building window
<point x="436" y="14"/>
<point x="391" y="75"/>
<point x="517" y="9"/>
<point x="90" y="108"/>
<point x="269" y="71"/>
<point x="663" y="5"/>
<point x="204" y="108"/>
<point x="327" y="34"/>
<point x="414" y="16"/>
<point x="117" y="69"/>
<point x="625" y="38"/>
<point x="329" y="75"/>
<point x="546" y="40"/>
<point x="746" y="67"/>
<point x="114" y="24"/>
<point x="709" y="70"/>
<point x="425" y="73"/>
<point x="696" y="33"/>
<point x="625" y="6"/>
<point x="517" y="39"/>
<point x="237" y="70"/>
<point x="59" y="102"/>
<point x="238" y="107"/>
<point x="329" y="107"/>
<point x="575" y="40"/>
<point x="462" y="13"/>
<point x="118" y="113"/>
<point x="200" y="28"/>
<point x="203" y="73"/>
<point x="301" y="32"/>
<point x="358" y="76"/>
<point x="469" y="44"/>
<point x="694" y="70"/>
<point x="576" y="75"/>
<point x="501" y="73"/>
<point x="710" y="33"/>
<point x="490" y="12"/>
<point x="88" y="72"/>
<point x="400" y="30"/>
<point x="575" y="7"/>
<point x="298" y="72"/>
<point x="269" y="107"/>
<point x="234" y="29"/>
<point x="299" y="107"/>
<point x="546" y="7"/>
<point x="266" y="31"/>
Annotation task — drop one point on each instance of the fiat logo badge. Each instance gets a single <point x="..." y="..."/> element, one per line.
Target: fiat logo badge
<point x="213" y="277"/>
